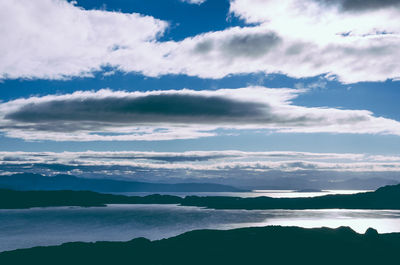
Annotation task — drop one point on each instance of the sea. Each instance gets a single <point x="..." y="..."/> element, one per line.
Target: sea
<point x="25" y="228"/>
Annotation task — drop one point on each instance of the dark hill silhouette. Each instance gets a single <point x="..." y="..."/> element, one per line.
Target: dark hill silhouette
<point x="10" y="199"/>
<point x="262" y="245"/>
<point x="387" y="197"/>
<point x="28" y="181"/>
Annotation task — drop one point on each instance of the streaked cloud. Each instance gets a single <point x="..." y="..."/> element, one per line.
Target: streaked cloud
<point x="256" y="170"/>
<point x="177" y="114"/>
<point x="273" y="161"/>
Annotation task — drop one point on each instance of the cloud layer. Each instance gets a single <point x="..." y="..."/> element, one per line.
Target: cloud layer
<point x="255" y="170"/>
<point x="202" y="161"/>
<point x="176" y="114"/>
<point x="300" y="38"/>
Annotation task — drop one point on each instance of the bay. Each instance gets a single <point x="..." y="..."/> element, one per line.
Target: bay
<point x="25" y="228"/>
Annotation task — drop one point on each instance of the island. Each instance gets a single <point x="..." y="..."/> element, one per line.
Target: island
<point x="387" y="197"/>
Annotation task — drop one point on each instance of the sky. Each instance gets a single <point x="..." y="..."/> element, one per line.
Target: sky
<point x="217" y="85"/>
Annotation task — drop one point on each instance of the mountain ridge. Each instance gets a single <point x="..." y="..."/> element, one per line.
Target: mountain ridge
<point x="29" y="181"/>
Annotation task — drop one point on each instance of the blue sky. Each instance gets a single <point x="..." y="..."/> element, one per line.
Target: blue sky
<point x="176" y="76"/>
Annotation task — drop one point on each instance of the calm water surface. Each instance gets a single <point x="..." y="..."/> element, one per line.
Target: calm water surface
<point x="55" y="225"/>
<point x="254" y="193"/>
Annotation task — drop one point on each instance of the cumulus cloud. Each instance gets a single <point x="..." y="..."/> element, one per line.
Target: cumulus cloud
<point x="322" y="21"/>
<point x="54" y="39"/>
<point x="260" y="49"/>
<point x="299" y="38"/>
<point x="176" y="114"/>
<point x="339" y="38"/>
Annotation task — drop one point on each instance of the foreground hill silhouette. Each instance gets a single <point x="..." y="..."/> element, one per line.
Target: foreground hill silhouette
<point x="28" y="181"/>
<point x="387" y="197"/>
<point x="262" y="245"/>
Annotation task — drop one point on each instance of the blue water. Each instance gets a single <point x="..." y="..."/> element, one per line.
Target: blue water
<point x="55" y="225"/>
<point x="254" y="193"/>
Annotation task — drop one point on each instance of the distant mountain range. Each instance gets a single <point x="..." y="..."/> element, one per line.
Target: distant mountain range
<point x="28" y="181"/>
<point x="36" y="181"/>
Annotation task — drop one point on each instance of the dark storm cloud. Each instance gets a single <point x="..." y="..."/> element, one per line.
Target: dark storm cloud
<point x="170" y="114"/>
<point x="361" y="5"/>
<point x="164" y="108"/>
<point x="97" y="112"/>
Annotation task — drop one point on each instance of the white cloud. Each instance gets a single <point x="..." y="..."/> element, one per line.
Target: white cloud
<point x="321" y="21"/>
<point x="301" y="38"/>
<point x="221" y="53"/>
<point x="108" y="115"/>
<point x="53" y="39"/>
<point x="211" y="160"/>
<point x="309" y="39"/>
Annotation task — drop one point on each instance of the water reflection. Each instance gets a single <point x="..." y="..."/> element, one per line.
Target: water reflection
<point x="385" y="221"/>
<point x="254" y="193"/>
<point x="52" y="226"/>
